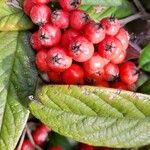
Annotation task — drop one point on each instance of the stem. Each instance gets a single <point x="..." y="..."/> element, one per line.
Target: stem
<point x="139" y="6"/>
<point x="135" y="46"/>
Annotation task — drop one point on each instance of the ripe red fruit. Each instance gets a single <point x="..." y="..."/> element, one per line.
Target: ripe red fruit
<point x="41" y="60"/>
<point x="55" y="76"/>
<point x="40" y="14"/>
<point x="86" y="147"/>
<point x="81" y="49"/>
<point x="111" y="72"/>
<point x="110" y="48"/>
<point x="111" y="25"/>
<point x="60" y="18"/>
<point x="27" y="145"/>
<point x="69" y="5"/>
<point x="123" y="36"/>
<point x="40" y="135"/>
<point x="95" y="64"/>
<point x="50" y="35"/>
<point x="94" y="32"/>
<point x="120" y="85"/>
<point x="58" y="60"/>
<point x="42" y="1"/>
<point x="35" y="41"/>
<point x="102" y="83"/>
<point x="56" y="148"/>
<point x="128" y="72"/>
<point x="73" y="75"/>
<point x="27" y="6"/>
<point x="68" y="36"/>
<point x="78" y="19"/>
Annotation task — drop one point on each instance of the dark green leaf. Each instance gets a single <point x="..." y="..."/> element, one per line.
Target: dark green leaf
<point x="93" y="115"/>
<point x="145" y="88"/>
<point x="17" y="82"/>
<point x="12" y="18"/>
<point x="144" y="60"/>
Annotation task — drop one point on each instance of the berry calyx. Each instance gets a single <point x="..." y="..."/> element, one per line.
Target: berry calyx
<point x="55" y="76"/>
<point x="49" y="34"/>
<point x="40" y="14"/>
<point x="27" y="145"/>
<point x="80" y="49"/>
<point x="94" y="32"/>
<point x="78" y="19"/>
<point x="40" y="60"/>
<point x="73" y="75"/>
<point x="111" y="25"/>
<point x="57" y="59"/>
<point x="69" y="5"/>
<point x="128" y="72"/>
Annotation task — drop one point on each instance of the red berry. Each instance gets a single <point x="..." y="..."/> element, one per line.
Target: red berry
<point x="56" y="148"/>
<point x="40" y="14"/>
<point x="60" y="18"/>
<point x="81" y="49"/>
<point x="58" y="60"/>
<point x="128" y="72"/>
<point x="69" y="5"/>
<point x="120" y="85"/>
<point x="41" y="60"/>
<point x="78" y="19"/>
<point x="94" y="32"/>
<point x="123" y="36"/>
<point x="86" y="147"/>
<point x="27" y="145"/>
<point x="73" y="75"/>
<point x="95" y="64"/>
<point x="55" y="76"/>
<point x="111" y="72"/>
<point x="35" y="41"/>
<point x="50" y="35"/>
<point x="110" y="48"/>
<point x="27" y="6"/>
<point x="40" y="135"/>
<point x="102" y="83"/>
<point x="111" y="25"/>
<point x="42" y="1"/>
<point x="68" y="36"/>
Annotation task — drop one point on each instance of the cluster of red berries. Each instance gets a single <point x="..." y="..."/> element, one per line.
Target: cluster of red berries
<point x="73" y="49"/>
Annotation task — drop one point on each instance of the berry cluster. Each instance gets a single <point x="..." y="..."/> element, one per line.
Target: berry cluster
<point x="73" y="49"/>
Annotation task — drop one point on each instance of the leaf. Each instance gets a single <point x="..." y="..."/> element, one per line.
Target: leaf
<point x="93" y="115"/>
<point x="144" y="60"/>
<point x="12" y="18"/>
<point x="17" y="82"/>
<point x="145" y="88"/>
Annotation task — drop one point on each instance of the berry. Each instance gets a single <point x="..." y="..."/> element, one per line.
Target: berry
<point x="120" y="85"/>
<point x="81" y="49"/>
<point x="58" y="60"/>
<point x="27" y="145"/>
<point x="41" y="60"/>
<point x="78" y="19"/>
<point x="123" y="36"/>
<point x="73" y="75"/>
<point x="94" y="32"/>
<point x="40" y="135"/>
<point x="86" y="147"/>
<point x="68" y="36"/>
<point x="60" y="18"/>
<point x="95" y="64"/>
<point x="110" y="48"/>
<point x="55" y="76"/>
<point x="35" y="41"/>
<point x="56" y="148"/>
<point x="27" y="6"/>
<point x="40" y="14"/>
<point x="111" y="25"/>
<point x="102" y="83"/>
<point x="50" y="35"/>
<point x="42" y="1"/>
<point x="69" y="5"/>
<point x="111" y="72"/>
<point x="128" y="72"/>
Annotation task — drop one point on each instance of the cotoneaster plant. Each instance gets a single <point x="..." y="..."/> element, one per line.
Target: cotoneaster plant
<point x="77" y="68"/>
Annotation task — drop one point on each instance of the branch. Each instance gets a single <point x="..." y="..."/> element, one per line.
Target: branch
<point x="139" y="6"/>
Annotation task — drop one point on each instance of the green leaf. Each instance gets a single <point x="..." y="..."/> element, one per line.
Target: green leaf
<point x="144" y="60"/>
<point x="93" y="115"/>
<point x="12" y="18"/>
<point x="17" y="81"/>
<point x="145" y="88"/>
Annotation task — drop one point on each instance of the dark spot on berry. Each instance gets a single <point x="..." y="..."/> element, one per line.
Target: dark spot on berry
<point x="109" y="47"/>
<point x="55" y="14"/>
<point x="75" y="3"/>
<point x="99" y="26"/>
<point x="43" y="36"/>
<point x="90" y="81"/>
<point x="136" y="71"/>
<point x="112" y="19"/>
<point x="55" y="59"/>
<point x="85" y="17"/>
<point x="76" y="48"/>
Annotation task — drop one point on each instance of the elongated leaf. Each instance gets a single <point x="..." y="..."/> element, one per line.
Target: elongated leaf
<point x="17" y="82"/>
<point x="144" y="60"/>
<point x="97" y="116"/>
<point x="12" y="18"/>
